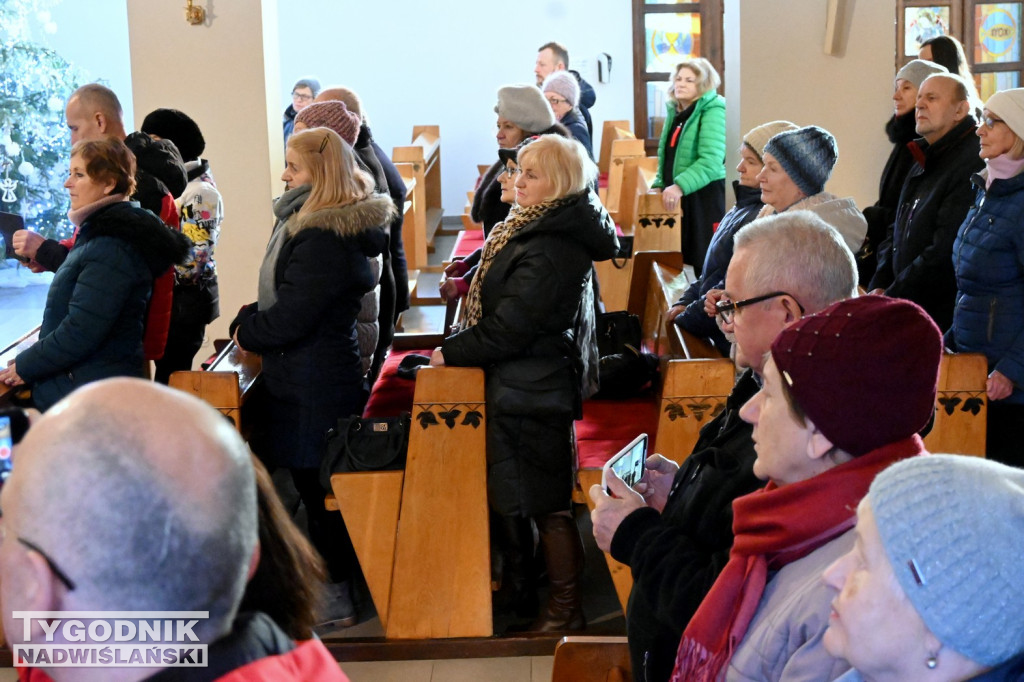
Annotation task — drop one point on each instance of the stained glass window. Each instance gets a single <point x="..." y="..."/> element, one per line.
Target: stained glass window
<point x="671" y="38"/>
<point x="998" y="33"/>
<point x="921" y="24"/>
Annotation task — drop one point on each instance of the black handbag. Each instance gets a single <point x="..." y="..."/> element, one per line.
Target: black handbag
<point x="358" y="444"/>
<point x="617" y="330"/>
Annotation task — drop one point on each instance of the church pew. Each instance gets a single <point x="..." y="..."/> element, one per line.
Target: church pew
<point x="591" y="659"/>
<point x="425" y="156"/>
<point x="7" y="355"/>
<point x="225" y="384"/>
<point x="611" y="131"/>
<point x="620" y="151"/>
<point x="422" y="535"/>
<point x="961" y="407"/>
<point x="414" y="217"/>
<point x="695" y="382"/>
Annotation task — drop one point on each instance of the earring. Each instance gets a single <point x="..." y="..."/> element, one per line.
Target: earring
<point x="932" y="663"/>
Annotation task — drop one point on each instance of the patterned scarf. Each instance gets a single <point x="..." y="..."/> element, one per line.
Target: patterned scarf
<point x="774" y="527"/>
<point x="517" y="219"/>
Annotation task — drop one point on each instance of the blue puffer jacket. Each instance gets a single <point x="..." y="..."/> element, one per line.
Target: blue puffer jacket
<point x="716" y="262"/>
<point x="988" y="257"/>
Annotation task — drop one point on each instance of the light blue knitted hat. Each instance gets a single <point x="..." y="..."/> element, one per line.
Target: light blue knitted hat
<point x="953" y="528"/>
<point x="808" y="156"/>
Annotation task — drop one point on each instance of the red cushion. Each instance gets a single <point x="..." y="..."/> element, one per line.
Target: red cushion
<point x="602" y="180"/>
<point x="608" y="425"/>
<point x="392" y="395"/>
<point x="467" y="242"/>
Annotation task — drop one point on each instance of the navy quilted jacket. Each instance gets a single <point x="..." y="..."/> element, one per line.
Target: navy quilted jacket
<point x="988" y="257"/>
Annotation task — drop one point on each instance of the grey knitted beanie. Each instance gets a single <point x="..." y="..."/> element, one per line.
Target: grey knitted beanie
<point x="953" y="529"/>
<point x="916" y="70"/>
<point x="525" y="106"/>
<point x="564" y="84"/>
<point x="808" y="156"/>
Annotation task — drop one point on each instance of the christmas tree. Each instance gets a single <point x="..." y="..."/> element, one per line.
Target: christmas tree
<point x="35" y="82"/>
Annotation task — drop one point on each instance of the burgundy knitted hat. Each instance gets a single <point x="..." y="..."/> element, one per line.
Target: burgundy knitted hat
<point x="864" y="370"/>
<point x="334" y="115"/>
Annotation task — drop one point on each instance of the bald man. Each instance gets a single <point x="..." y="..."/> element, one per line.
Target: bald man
<point x="129" y="496"/>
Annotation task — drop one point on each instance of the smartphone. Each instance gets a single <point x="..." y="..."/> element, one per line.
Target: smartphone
<point x="628" y="463"/>
<point x="6" y="448"/>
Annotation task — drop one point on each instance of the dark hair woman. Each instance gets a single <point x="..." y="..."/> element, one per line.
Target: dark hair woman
<point x="527" y="322"/>
<point x="93" y="321"/>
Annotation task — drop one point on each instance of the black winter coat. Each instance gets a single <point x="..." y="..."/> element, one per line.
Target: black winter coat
<point x="526" y="340"/>
<point x="397" y="190"/>
<point x="96" y="306"/>
<point x="488" y="209"/>
<point x="916" y="259"/>
<point x="311" y="364"/>
<point x="676" y="556"/>
<point x="901" y="131"/>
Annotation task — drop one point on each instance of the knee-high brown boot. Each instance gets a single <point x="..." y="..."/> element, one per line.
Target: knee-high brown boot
<point x="563" y="554"/>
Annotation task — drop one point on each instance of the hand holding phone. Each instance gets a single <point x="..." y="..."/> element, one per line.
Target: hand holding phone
<point x="628" y="463"/>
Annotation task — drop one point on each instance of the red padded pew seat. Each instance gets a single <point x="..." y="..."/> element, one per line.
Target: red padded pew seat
<point x="391" y="395"/>
<point x="467" y="242"/>
<point x="602" y="181"/>
<point x="608" y="425"/>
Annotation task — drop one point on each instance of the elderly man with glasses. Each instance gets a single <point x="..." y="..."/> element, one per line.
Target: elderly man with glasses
<point x="675" y="530"/>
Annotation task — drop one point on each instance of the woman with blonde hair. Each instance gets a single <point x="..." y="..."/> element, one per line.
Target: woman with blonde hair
<point x="691" y="155"/>
<point x="316" y="270"/>
<point x="528" y="323"/>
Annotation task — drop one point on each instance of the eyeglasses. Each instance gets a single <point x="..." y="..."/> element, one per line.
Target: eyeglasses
<point x="990" y="122"/>
<point x="727" y="309"/>
<point x="54" y="568"/>
<point x="557" y="100"/>
<point x="510" y="172"/>
<point x="302" y="98"/>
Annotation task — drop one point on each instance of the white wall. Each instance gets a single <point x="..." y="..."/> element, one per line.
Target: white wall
<point x="415" y="62"/>
<point x="783" y="73"/>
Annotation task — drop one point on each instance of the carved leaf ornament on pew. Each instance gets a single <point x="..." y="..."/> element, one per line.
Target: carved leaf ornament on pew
<point x="677" y="410"/>
<point x="973" y="403"/>
<point x="657" y="220"/>
<point x="450" y="414"/>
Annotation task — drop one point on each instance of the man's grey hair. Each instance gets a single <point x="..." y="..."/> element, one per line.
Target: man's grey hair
<point x="134" y="537"/>
<point x="97" y="97"/>
<point x="799" y="253"/>
<point x="961" y="90"/>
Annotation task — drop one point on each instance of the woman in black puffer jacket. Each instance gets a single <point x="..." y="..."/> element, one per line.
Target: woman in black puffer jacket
<point x="525" y="323"/>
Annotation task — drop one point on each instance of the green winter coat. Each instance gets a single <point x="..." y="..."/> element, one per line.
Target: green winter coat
<point x="698" y="161"/>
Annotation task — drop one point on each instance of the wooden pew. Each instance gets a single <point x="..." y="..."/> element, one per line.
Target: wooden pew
<point x="961" y="407"/>
<point x="425" y="156"/>
<point x="7" y="355"/>
<point x="414" y="217"/>
<point x="227" y="382"/>
<point x="695" y="379"/>
<point x="422" y="535"/>
<point x="621" y="150"/>
<point x="592" y="659"/>
<point x="611" y="131"/>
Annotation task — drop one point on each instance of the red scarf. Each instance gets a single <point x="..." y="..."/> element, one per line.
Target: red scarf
<point x="772" y="528"/>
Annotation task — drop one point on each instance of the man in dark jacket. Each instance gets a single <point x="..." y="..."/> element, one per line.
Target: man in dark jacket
<point x="172" y="525"/>
<point x="916" y="259"/>
<point x="553" y="57"/>
<point x="675" y="534"/>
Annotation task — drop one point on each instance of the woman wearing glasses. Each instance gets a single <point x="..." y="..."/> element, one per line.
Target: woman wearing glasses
<point x="691" y="155"/>
<point x="322" y="258"/>
<point x="988" y="258"/>
<point x="562" y="92"/>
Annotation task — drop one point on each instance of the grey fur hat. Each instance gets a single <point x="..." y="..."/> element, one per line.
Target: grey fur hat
<point x="953" y="529"/>
<point x="526" y="107"/>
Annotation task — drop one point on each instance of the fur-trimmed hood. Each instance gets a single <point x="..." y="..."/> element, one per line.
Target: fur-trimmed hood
<point x="365" y="220"/>
<point x="160" y="246"/>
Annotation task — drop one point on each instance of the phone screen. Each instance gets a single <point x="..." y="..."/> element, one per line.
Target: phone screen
<point x="6" y="448"/>
<point x="629" y="463"/>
